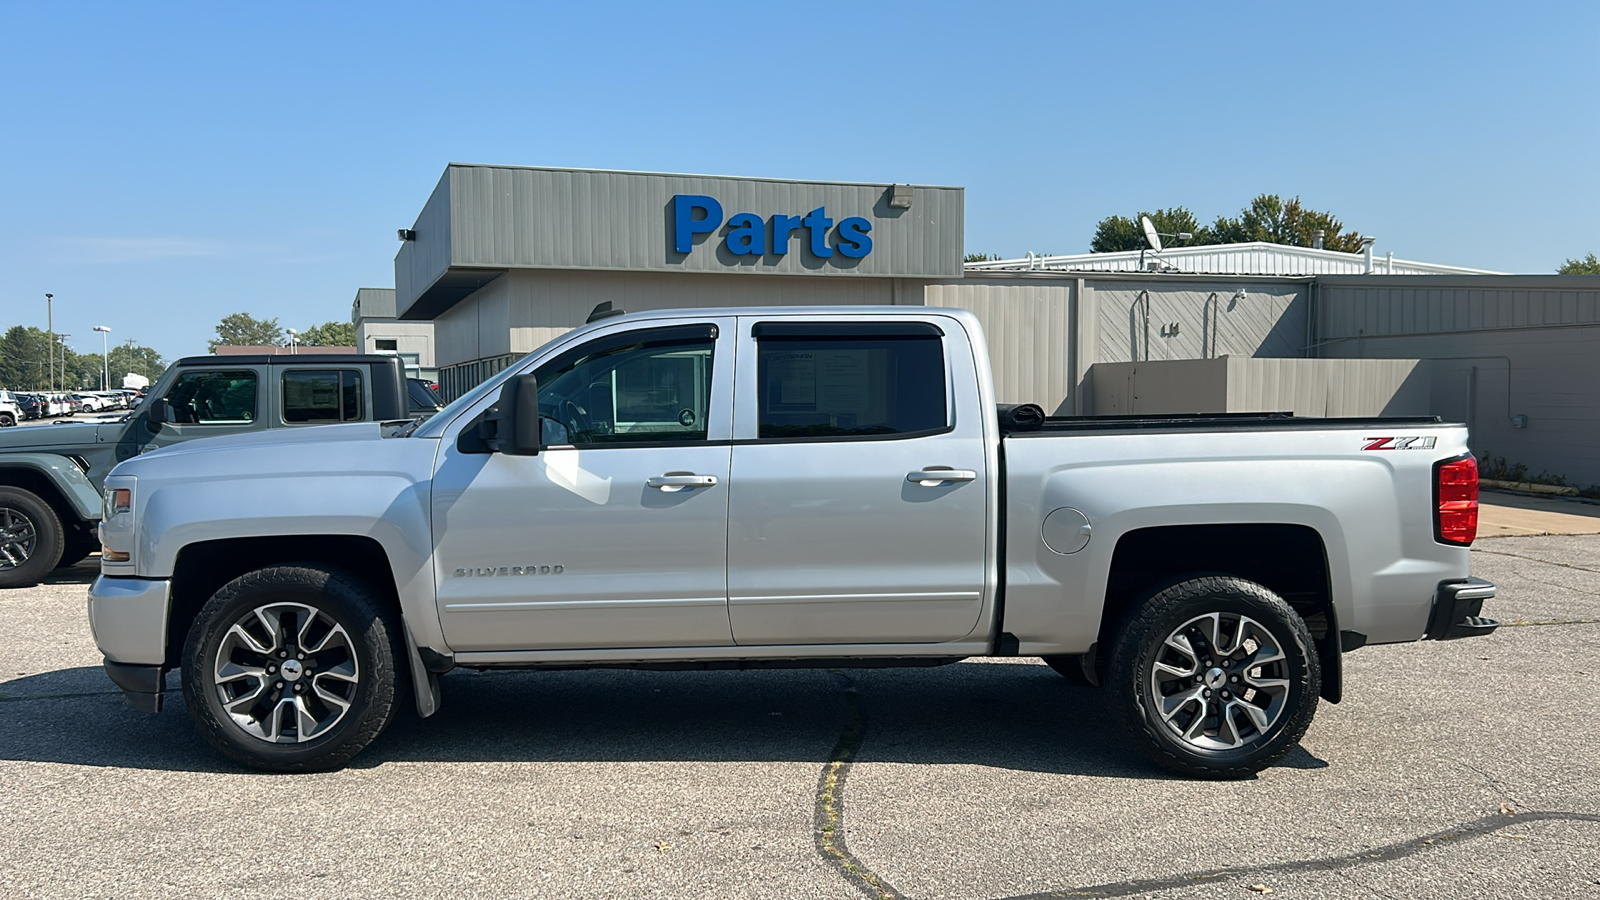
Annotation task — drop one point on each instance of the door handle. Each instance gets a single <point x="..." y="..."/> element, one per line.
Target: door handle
<point x="677" y="481"/>
<point x="935" y="475"/>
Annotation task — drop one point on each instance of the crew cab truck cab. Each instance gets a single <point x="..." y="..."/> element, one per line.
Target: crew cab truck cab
<point x="51" y="476"/>
<point x="758" y="487"/>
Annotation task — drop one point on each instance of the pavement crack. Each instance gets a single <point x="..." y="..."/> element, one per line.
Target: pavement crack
<point x="1466" y="831"/>
<point x="1536" y="559"/>
<point x="829" y="809"/>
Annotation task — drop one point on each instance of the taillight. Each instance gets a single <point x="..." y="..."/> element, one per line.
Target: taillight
<point x="1455" y="518"/>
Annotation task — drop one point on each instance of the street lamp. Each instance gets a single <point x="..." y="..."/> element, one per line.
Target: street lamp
<point x="105" y="357"/>
<point x="292" y="335"/>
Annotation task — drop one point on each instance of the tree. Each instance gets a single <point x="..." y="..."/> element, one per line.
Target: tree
<point x="24" y="359"/>
<point x="135" y="360"/>
<point x="1268" y="218"/>
<point x="1120" y="233"/>
<point x="246" y="330"/>
<point x="329" y="334"/>
<point x="1272" y="219"/>
<point x="981" y="257"/>
<point x="1589" y="265"/>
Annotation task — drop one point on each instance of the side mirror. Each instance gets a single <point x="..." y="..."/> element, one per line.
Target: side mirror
<point x="511" y="426"/>
<point x="160" y="411"/>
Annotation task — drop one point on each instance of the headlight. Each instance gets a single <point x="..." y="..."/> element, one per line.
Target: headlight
<point x="117" y="520"/>
<point x="117" y="500"/>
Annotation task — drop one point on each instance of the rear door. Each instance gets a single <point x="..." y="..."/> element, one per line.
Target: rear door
<point x="858" y="510"/>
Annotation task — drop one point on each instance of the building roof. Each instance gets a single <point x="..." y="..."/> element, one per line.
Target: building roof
<point x="1253" y="258"/>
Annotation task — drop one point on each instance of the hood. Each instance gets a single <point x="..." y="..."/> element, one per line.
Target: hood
<point x="62" y="438"/>
<point x="276" y="437"/>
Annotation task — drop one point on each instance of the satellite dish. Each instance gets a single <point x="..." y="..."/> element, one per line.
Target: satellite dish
<point x="1150" y="233"/>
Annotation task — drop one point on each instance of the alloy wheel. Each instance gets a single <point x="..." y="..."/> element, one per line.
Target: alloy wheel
<point x="1220" y="681"/>
<point x="286" y="673"/>
<point x="18" y="538"/>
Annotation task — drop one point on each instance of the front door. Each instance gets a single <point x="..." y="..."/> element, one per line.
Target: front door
<point x="833" y="539"/>
<point x="615" y="534"/>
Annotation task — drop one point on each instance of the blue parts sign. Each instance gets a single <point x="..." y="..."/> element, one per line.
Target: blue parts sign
<point x="750" y="235"/>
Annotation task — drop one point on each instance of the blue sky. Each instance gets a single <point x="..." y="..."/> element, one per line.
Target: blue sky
<point x="167" y="164"/>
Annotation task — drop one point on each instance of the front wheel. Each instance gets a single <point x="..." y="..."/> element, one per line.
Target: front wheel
<point x="30" y="538"/>
<point x="292" y="668"/>
<point x="1216" y="677"/>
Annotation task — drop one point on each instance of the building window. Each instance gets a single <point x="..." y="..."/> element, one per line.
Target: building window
<point x="388" y="344"/>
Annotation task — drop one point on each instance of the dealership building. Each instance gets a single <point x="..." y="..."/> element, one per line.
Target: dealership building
<point x="503" y="258"/>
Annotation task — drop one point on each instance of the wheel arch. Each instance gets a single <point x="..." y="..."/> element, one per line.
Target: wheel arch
<point x="76" y="502"/>
<point x="204" y="567"/>
<point x="1291" y="560"/>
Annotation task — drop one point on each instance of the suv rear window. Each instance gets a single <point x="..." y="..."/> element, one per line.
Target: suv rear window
<point x="313" y="396"/>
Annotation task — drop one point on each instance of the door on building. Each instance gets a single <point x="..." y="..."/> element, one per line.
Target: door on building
<point x="615" y="534"/>
<point x="831" y="541"/>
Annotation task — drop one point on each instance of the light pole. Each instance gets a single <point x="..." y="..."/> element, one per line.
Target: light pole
<point x="105" y="357"/>
<point x="50" y="323"/>
<point x="292" y="335"/>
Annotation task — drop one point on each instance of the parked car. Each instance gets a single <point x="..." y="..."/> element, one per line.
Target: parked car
<point x="772" y="487"/>
<point x="423" y="398"/>
<point x="10" y="412"/>
<point x="50" y="477"/>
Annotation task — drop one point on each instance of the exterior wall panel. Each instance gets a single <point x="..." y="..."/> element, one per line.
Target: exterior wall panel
<point x="1027" y="328"/>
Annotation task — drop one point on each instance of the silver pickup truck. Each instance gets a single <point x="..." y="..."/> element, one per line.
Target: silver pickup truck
<point x="759" y="487"/>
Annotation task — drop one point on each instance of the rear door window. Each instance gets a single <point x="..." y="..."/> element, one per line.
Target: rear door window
<point x="826" y="386"/>
<point x="322" y="396"/>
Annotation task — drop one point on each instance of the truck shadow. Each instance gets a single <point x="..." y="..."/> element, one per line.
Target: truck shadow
<point x="1018" y="716"/>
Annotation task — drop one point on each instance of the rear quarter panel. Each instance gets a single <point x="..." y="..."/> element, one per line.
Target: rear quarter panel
<point x="1372" y="509"/>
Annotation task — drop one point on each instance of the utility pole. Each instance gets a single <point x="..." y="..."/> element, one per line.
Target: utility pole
<point x="105" y="357"/>
<point x="130" y="356"/>
<point x="64" y="361"/>
<point x="50" y="323"/>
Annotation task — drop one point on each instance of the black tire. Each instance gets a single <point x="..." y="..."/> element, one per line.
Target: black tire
<point x="79" y="543"/>
<point x="30" y="531"/>
<point x="1070" y="667"/>
<point x="7" y="420"/>
<point x="1184" y="741"/>
<point x="371" y="638"/>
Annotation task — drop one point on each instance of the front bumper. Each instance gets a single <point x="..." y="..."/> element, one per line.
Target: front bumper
<point x="128" y="617"/>
<point x="1456" y="605"/>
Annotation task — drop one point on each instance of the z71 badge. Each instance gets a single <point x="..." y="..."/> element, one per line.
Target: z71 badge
<point x="1398" y="443"/>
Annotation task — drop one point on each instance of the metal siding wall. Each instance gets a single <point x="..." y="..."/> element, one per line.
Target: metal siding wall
<point x="1377" y="306"/>
<point x="543" y="218"/>
<point x="455" y="334"/>
<point x="419" y="263"/>
<point x="1027" y="329"/>
<point x="1305" y="387"/>
<point x="1547" y="374"/>
<point x="1269" y="322"/>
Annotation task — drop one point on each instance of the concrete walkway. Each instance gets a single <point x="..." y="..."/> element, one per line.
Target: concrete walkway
<point x="1502" y="514"/>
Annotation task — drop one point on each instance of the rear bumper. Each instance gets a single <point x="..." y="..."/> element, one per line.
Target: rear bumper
<point x="128" y="617"/>
<point x="1456" y="608"/>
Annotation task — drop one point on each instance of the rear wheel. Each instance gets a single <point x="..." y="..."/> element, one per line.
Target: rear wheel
<point x="1216" y="677"/>
<point x="30" y="538"/>
<point x="292" y="668"/>
<point x="7" y="419"/>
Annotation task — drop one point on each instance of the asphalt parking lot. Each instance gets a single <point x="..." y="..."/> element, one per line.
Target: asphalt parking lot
<point x="1460" y="769"/>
